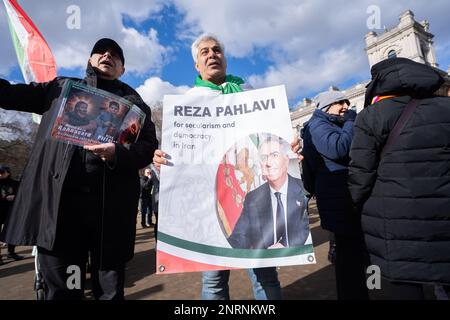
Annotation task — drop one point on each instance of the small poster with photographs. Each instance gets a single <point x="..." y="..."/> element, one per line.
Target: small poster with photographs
<point x="90" y="116"/>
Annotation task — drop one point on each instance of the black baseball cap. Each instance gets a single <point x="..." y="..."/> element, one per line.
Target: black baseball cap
<point x="104" y="44"/>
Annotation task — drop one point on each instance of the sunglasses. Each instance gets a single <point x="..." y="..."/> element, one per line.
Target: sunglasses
<point x="102" y="51"/>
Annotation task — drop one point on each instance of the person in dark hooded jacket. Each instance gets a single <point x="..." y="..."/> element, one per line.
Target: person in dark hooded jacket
<point x="327" y="137"/>
<point x="73" y="200"/>
<point x="404" y="194"/>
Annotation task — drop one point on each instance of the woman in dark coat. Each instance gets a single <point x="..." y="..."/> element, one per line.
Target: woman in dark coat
<point x="327" y="137"/>
<point x="404" y="195"/>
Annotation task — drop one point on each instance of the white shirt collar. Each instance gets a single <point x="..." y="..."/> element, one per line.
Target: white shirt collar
<point x="283" y="189"/>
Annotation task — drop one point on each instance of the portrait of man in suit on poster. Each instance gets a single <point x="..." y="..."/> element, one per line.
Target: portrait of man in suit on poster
<point x="274" y="215"/>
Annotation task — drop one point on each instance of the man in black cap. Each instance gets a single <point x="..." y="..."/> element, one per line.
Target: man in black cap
<point x="8" y="189"/>
<point x="72" y="200"/>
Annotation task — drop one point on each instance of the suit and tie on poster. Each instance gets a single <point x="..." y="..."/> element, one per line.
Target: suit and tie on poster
<point x="231" y="196"/>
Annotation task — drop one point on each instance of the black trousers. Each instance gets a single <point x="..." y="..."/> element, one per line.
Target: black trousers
<point x="61" y="282"/>
<point x="146" y="210"/>
<point x="78" y="235"/>
<point x="11" y="248"/>
<point x="406" y="291"/>
<point x="351" y="263"/>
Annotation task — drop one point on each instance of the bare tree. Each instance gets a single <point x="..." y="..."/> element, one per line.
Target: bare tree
<point x="157" y="114"/>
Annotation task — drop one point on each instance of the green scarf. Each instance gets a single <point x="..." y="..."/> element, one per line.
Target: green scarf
<point x="232" y="84"/>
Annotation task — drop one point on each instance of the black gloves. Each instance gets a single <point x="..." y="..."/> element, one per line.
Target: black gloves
<point x="350" y="115"/>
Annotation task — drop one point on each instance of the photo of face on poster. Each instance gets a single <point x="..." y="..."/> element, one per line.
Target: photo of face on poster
<point x="79" y="113"/>
<point x="261" y="203"/>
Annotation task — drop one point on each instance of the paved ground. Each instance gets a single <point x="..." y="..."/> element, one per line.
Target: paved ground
<point x="298" y="282"/>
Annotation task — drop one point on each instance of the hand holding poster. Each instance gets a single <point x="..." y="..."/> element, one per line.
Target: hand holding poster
<point x="231" y="197"/>
<point x="90" y="116"/>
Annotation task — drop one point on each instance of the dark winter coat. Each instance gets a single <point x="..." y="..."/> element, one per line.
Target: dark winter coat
<point x="57" y="170"/>
<point x="404" y="197"/>
<point x="8" y="187"/>
<point x="155" y="192"/>
<point x="146" y="187"/>
<point x="326" y="145"/>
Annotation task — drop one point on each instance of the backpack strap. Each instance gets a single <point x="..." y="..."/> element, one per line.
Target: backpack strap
<point x="401" y="122"/>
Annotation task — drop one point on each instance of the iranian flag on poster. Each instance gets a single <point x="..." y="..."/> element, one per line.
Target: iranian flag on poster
<point x="33" y="53"/>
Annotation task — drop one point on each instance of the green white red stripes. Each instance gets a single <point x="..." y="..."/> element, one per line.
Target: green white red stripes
<point x="35" y="58"/>
<point x="178" y="255"/>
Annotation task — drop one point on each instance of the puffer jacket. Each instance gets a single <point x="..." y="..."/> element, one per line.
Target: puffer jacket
<point x="404" y="197"/>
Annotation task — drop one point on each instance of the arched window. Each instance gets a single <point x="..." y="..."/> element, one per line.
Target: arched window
<point x="392" y="54"/>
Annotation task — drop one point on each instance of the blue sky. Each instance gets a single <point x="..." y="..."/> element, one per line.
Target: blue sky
<point x="306" y="45"/>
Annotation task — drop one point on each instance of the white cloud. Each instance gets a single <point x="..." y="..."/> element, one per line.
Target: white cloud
<point x="139" y="10"/>
<point x="330" y="68"/>
<point x="144" y="52"/>
<point x="154" y="90"/>
<point x="246" y="25"/>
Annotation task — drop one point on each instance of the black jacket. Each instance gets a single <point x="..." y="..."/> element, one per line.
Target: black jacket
<point x="155" y="191"/>
<point x="55" y="169"/>
<point x="8" y="187"/>
<point x="405" y="196"/>
<point x="146" y="187"/>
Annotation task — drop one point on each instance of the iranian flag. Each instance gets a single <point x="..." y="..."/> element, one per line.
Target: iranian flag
<point x="33" y="53"/>
<point x="35" y="57"/>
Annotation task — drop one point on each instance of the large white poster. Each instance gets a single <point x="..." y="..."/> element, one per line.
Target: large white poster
<point x="231" y="196"/>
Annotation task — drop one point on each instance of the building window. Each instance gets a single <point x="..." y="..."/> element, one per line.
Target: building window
<point x="425" y="51"/>
<point x="392" y="54"/>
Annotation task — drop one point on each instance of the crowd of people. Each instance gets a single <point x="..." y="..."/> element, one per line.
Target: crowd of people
<point x="381" y="180"/>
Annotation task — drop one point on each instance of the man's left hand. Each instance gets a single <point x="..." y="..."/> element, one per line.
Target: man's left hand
<point x="106" y="151"/>
<point x="295" y="147"/>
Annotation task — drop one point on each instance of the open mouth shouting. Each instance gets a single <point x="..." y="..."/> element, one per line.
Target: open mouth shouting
<point x="107" y="63"/>
<point x="214" y="64"/>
